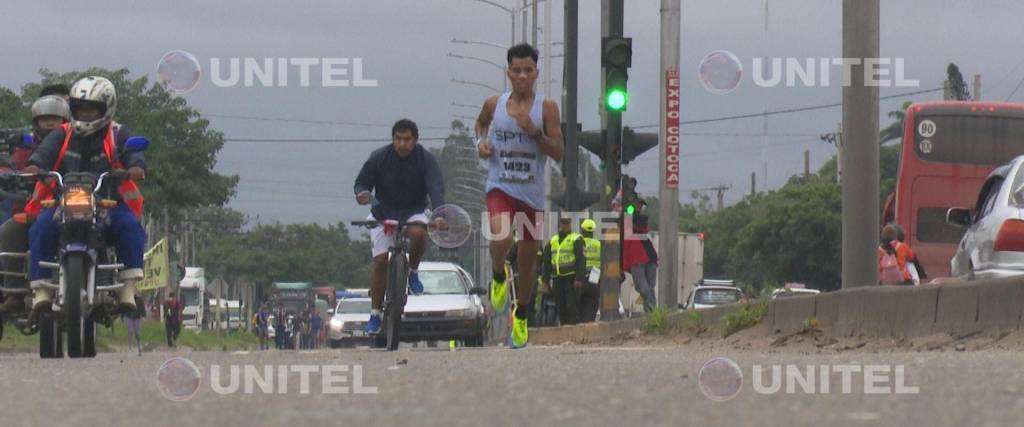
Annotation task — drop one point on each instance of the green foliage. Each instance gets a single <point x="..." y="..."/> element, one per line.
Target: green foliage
<point x="957" y="85"/>
<point x="750" y="315"/>
<point x="291" y="253"/>
<point x="183" y="152"/>
<point x="657" y="321"/>
<point x="153" y="336"/>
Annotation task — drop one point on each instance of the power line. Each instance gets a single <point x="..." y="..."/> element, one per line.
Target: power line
<point x="308" y="121"/>
<point x="786" y="111"/>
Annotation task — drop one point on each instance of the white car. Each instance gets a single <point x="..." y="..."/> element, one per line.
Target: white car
<point x="793" y="292"/>
<point x="707" y="296"/>
<point x="450" y="307"/>
<point x="348" y="324"/>
<point x="993" y="244"/>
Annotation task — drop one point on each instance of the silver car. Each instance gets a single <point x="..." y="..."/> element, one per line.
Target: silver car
<point x="450" y="307"/>
<point x="348" y="325"/>
<point x="993" y="244"/>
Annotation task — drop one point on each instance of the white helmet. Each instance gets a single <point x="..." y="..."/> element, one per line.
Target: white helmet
<point x="97" y="92"/>
<point x="49" y="105"/>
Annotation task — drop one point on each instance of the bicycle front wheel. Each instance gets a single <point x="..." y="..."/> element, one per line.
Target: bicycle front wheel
<point x="395" y="295"/>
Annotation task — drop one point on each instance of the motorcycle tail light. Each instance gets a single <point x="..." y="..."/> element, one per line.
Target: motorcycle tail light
<point x="78" y="203"/>
<point x="1010" y="237"/>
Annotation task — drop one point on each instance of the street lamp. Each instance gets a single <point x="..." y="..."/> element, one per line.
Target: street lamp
<point x="485" y="61"/>
<point x="492" y="44"/>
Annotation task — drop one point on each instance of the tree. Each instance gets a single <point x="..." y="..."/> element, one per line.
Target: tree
<point x="183" y="152"/>
<point x="957" y="85"/>
<point x="894" y="130"/>
<point x="292" y="252"/>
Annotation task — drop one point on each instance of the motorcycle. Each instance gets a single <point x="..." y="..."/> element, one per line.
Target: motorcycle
<point x="86" y="267"/>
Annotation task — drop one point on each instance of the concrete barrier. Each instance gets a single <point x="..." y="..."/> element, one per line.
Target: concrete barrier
<point x="790" y="314"/>
<point x="957" y="308"/>
<point x="915" y="311"/>
<point x="879" y="307"/>
<point x="956" y="312"/>
<point x="1000" y="304"/>
<point x="826" y="309"/>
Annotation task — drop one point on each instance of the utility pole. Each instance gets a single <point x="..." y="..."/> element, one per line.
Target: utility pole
<point x="977" y="87"/>
<point x="570" y="104"/>
<point x="860" y="191"/>
<point x="668" y="241"/>
<point x="807" y="163"/>
<point x="612" y="12"/>
<point x="753" y="184"/>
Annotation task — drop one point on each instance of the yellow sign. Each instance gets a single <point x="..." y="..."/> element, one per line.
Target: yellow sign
<point x="155" y="266"/>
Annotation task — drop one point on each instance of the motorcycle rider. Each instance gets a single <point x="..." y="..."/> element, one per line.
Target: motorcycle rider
<point x="91" y="142"/>
<point x="49" y="112"/>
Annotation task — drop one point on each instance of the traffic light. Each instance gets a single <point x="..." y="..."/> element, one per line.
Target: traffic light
<point x="583" y="198"/>
<point x="616" y="58"/>
<point x="633" y="143"/>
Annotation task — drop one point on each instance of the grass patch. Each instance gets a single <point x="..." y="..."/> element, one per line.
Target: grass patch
<point x="693" y="322"/>
<point x="657" y="321"/>
<point x="748" y="316"/>
<point x="153" y="336"/>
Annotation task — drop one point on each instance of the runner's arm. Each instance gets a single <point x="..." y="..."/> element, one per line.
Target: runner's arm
<point x="483" y="120"/>
<point x="550" y="140"/>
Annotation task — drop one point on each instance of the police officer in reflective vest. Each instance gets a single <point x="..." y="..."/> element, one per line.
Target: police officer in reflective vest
<point x="591" y="294"/>
<point x="565" y="263"/>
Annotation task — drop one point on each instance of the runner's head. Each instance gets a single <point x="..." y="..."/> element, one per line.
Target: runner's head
<point x="889" y="234"/>
<point x="522" y="67"/>
<point x="403" y="137"/>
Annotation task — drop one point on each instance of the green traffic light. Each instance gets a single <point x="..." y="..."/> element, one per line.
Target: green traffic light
<point x="630" y="209"/>
<point x="616" y="99"/>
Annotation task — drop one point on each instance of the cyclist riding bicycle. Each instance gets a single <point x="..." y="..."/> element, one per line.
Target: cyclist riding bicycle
<point x="401" y="176"/>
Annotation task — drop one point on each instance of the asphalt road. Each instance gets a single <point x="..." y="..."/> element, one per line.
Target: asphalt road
<point x="496" y="386"/>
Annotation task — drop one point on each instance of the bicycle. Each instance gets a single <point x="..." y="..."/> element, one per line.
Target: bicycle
<point x="395" y="290"/>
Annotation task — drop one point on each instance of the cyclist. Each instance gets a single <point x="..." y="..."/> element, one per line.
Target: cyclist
<point x="517" y="132"/>
<point x="401" y="175"/>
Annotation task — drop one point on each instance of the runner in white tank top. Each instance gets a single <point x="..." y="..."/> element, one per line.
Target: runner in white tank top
<point x="517" y="131"/>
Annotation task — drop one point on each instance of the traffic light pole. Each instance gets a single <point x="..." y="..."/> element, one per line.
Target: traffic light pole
<point x="611" y="249"/>
<point x="570" y="166"/>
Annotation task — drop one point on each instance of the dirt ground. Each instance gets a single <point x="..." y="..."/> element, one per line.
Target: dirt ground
<point x="816" y="341"/>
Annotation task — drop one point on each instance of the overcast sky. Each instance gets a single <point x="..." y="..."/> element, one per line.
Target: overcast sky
<point x="404" y="46"/>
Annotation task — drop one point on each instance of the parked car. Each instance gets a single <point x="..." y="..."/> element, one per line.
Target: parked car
<point x="793" y="292"/>
<point x="348" y="324"/>
<point x="450" y="307"/>
<point x="993" y="244"/>
<point x="709" y="293"/>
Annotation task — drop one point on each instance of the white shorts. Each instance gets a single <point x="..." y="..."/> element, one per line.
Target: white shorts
<point x="379" y="242"/>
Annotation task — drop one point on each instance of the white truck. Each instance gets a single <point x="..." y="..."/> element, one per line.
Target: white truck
<point x="192" y="289"/>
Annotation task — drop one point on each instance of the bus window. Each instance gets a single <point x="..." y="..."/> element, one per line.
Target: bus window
<point x="967" y="139"/>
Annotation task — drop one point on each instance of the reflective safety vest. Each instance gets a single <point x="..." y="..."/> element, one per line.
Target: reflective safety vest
<point x="128" y="190"/>
<point x="563" y="255"/>
<point x="592" y="250"/>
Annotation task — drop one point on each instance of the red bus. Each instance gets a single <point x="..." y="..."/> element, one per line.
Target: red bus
<point x="949" y="148"/>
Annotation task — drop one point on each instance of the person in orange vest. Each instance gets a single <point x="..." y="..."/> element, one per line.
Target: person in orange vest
<point x="91" y="142"/>
<point x="49" y="112"/>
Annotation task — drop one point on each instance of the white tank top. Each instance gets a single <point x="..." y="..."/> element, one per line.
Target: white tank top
<point x="516" y="166"/>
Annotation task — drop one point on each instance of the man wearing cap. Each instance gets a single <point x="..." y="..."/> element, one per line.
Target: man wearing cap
<point x="591" y="294"/>
<point x="564" y="260"/>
